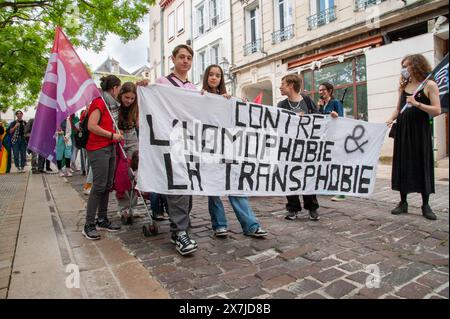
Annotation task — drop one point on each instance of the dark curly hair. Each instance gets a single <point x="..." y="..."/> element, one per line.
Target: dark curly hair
<point x="418" y="66"/>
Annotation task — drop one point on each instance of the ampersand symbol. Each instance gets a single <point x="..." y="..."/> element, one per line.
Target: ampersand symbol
<point x="356" y="139"/>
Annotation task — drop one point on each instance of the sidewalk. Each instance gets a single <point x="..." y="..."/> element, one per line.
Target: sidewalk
<point x="44" y="214"/>
<point x="49" y="239"/>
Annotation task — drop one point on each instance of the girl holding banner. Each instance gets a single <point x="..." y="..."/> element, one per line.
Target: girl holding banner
<point x="412" y="166"/>
<point x="213" y="82"/>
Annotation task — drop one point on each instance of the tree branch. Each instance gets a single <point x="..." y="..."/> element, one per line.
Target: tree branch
<point x="24" y="4"/>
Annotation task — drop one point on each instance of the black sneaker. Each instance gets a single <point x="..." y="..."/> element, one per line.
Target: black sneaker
<point x="257" y="233"/>
<point x="173" y="239"/>
<point x="184" y="244"/>
<point x="427" y="212"/>
<point x="90" y="232"/>
<point x="314" y="215"/>
<point x="107" y="225"/>
<point x="402" y="208"/>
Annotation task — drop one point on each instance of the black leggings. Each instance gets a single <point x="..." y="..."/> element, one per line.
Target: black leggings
<point x="425" y="198"/>
<point x="60" y="163"/>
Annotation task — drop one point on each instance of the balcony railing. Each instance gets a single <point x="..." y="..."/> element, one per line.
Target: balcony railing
<point x="322" y="18"/>
<point x="363" y="4"/>
<point x="283" y="34"/>
<point x="252" y="47"/>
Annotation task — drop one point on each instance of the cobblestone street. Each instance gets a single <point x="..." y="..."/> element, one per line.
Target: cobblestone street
<point x="330" y="258"/>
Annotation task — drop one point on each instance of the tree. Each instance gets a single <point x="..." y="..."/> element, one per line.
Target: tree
<point x="27" y="33"/>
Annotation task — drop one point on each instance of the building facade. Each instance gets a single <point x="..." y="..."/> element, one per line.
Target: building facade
<point x="357" y="45"/>
<point x="211" y="36"/>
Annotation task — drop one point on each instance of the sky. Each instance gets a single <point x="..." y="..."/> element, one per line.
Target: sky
<point x="131" y="55"/>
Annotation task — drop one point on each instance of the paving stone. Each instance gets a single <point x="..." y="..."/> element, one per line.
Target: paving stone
<point x="433" y="279"/>
<point x="305" y="271"/>
<point x="359" y="277"/>
<point x="339" y="289"/>
<point x="246" y="293"/>
<point x="304" y="287"/>
<point x="272" y="272"/>
<point x="428" y="258"/>
<point x="351" y="266"/>
<point x="296" y="252"/>
<point x="375" y="293"/>
<point x="413" y="291"/>
<point x="243" y="282"/>
<point x="444" y="292"/>
<point x="314" y="296"/>
<point x="402" y="275"/>
<point x="328" y="275"/>
<point x="277" y="282"/>
<point x="283" y="294"/>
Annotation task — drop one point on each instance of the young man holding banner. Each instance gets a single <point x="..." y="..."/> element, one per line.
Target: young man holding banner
<point x="300" y="104"/>
<point x="179" y="206"/>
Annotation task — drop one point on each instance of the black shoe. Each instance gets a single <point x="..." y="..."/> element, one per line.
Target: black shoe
<point x="107" y="225"/>
<point x="257" y="233"/>
<point x="173" y="240"/>
<point x="428" y="213"/>
<point x="48" y="169"/>
<point x="90" y="232"/>
<point x="314" y="215"/>
<point x="184" y="244"/>
<point x="402" y="208"/>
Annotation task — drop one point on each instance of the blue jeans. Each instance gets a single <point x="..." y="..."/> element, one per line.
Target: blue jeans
<point x="20" y="152"/>
<point x="241" y="208"/>
<point x="158" y="204"/>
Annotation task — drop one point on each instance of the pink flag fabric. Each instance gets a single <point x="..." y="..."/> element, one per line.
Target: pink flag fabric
<point x="67" y="88"/>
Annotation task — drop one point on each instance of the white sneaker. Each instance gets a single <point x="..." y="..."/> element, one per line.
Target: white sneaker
<point x="87" y="191"/>
<point x="68" y="173"/>
<point x="62" y="173"/>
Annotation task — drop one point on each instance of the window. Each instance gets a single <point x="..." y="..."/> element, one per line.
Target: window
<point x="284" y="17"/>
<point x="348" y="77"/>
<point x="213" y="12"/>
<point x="322" y="12"/>
<point x="201" y="65"/>
<point x="200" y="20"/>
<point x="253" y="41"/>
<point x="180" y="18"/>
<point x="215" y="54"/>
<point x="171" y="25"/>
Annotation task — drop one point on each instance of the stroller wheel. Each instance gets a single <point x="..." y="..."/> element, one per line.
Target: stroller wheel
<point x="150" y="230"/>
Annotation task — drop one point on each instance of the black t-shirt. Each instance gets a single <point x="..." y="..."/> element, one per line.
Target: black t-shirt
<point x="296" y="107"/>
<point x="21" y="127"/>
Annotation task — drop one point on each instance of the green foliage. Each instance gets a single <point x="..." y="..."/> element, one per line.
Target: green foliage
<point x="27" y="33"/>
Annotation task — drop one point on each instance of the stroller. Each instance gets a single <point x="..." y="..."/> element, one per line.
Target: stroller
<point x="125" y="183"/>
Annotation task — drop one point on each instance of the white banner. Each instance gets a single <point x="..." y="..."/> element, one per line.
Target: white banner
<point x="207" y="145"/>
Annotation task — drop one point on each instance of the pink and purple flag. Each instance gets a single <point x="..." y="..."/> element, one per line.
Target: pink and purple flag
<point x="67" y="88"/>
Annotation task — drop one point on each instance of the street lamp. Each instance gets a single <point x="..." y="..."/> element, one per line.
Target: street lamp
<point x="226" y="67"/>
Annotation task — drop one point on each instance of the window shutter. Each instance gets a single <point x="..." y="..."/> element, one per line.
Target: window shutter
<point x="277" y="15"/>
<point x="313" y="6"/>
<point x="257" y="21"/>
<point x="288" y="13"/>
<point x="195" y="24"/>
<point x="206" y="15"/>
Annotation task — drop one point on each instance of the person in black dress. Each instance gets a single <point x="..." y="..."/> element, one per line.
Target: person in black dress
<point x="413" y="164"/>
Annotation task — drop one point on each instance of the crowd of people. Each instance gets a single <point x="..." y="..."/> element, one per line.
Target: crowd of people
<point x="113" y="125"/>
